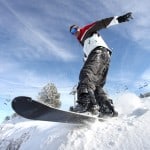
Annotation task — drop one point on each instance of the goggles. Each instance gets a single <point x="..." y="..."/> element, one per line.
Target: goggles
<point x="74" y="30"/>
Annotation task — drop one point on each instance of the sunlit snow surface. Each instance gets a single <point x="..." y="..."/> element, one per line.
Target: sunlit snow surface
<point x="129" y="131"/>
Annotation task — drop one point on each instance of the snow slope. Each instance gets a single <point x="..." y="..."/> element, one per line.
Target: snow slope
<point x="130" y="131"/>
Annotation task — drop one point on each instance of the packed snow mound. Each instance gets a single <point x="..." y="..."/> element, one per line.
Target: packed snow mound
<point x="129" y="131"/>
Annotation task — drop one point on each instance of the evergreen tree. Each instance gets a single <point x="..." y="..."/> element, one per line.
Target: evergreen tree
<point x="50" y="96"/>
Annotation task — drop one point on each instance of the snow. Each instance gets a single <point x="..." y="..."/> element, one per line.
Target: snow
<point x="129" y="131"/>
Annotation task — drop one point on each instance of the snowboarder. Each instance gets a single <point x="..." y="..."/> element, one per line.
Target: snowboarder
<point x="92" y="78"/>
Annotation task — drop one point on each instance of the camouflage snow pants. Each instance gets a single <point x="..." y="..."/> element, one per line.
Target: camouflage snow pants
<point x="93" y="75"/>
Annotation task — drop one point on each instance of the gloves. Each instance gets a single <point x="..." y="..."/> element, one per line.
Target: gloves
<point x="125" y="17"/>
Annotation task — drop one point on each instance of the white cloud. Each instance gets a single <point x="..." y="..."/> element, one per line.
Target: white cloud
<point x="25" y="82"/>
<point x="38" y="42"/>
<point x="146" y="75"/>
<point x="4" y="67"/>
<point x="138" y="29"/>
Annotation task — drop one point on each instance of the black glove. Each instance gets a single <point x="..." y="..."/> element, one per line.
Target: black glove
<point x="125" y="17"/>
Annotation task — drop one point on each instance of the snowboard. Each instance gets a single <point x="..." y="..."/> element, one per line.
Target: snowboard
<point x="31" y="109"/>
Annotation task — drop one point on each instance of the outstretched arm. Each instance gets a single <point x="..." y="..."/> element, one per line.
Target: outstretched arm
<point x="105" y="23"/>
<point x="88" y="30"/>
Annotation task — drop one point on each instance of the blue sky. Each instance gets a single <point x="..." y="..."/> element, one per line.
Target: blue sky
<point x="36" y="46"/>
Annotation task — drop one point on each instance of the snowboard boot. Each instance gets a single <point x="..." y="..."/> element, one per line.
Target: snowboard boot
<point x="80" y="108"/>
<point x="112" y="108"/>
<point x="94" y="109"/>
<point x="82" y="104"/>
<point x="107" y="109"/>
